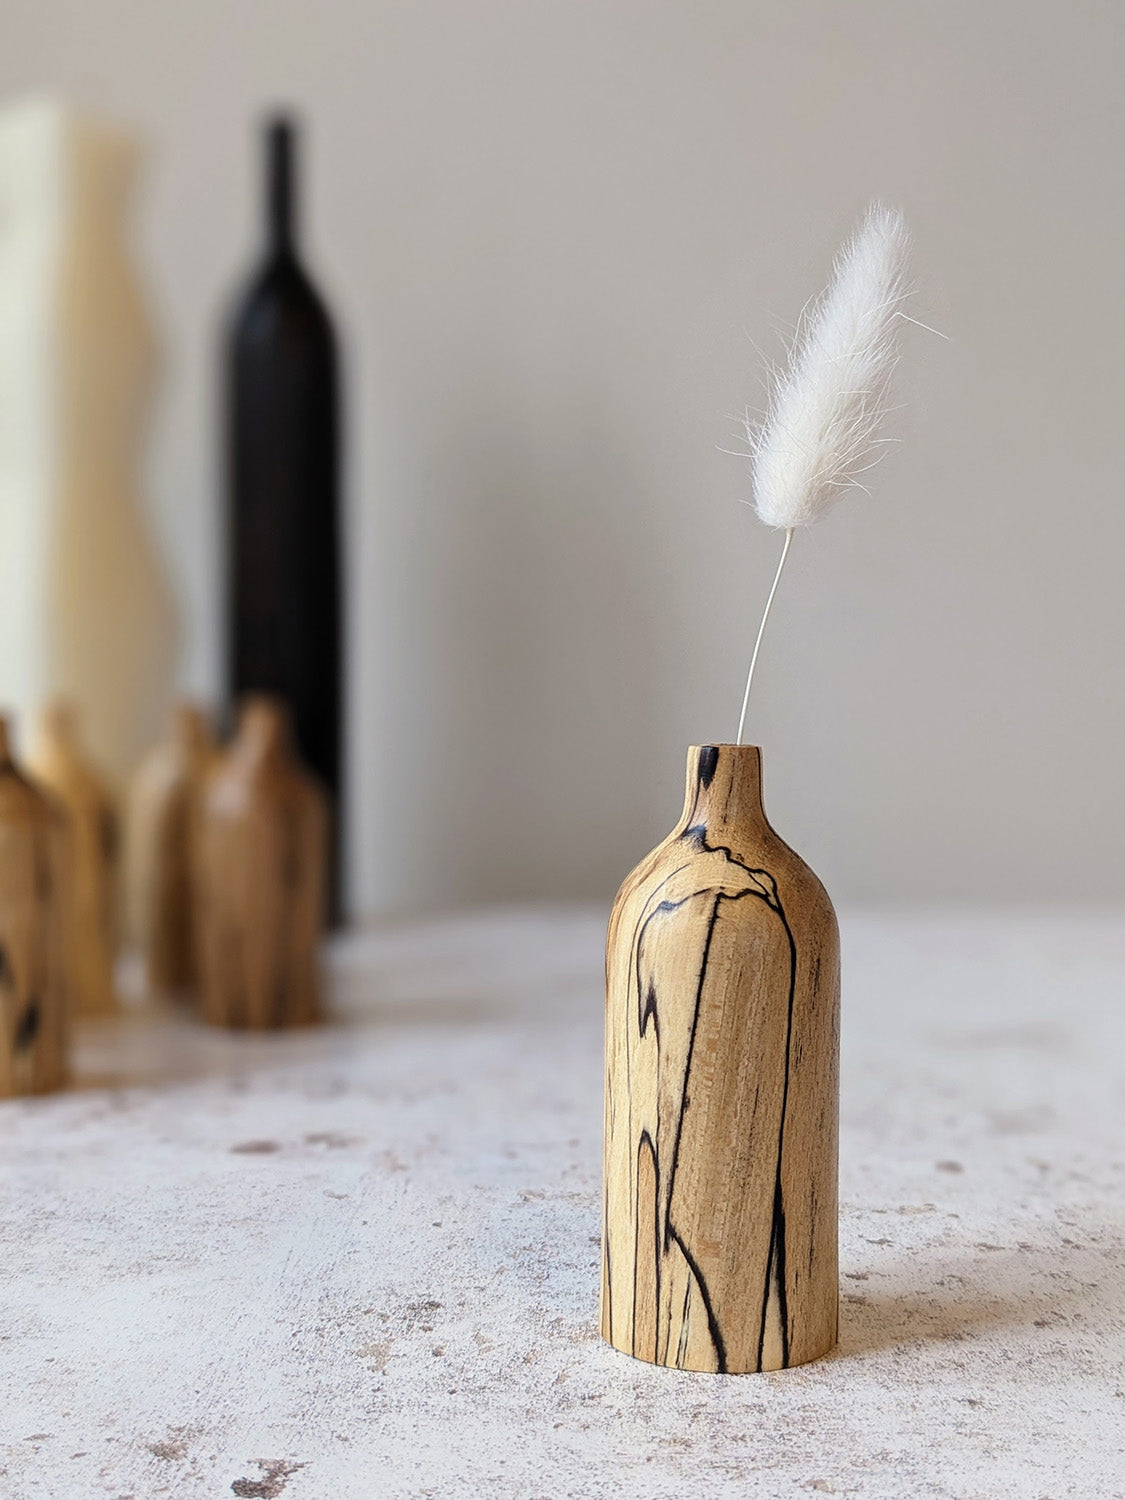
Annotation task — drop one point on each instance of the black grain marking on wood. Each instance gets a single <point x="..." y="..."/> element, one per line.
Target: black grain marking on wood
<point x="708" y="764"/>
<point x="638" y="934"/>
<point x="646" y="1141"/>
<point x="768" y="893"/>
<point x="775" y="1272"/>
<point x="27" y="1028"/>
<point x="685" y="1101"/>
<point x="777" y="1246"/>
<point x="712" y="1322"/>
<point x="776" y="1259"/>
<point x="6" y="975"/>
<point x="681" y="1347"/>
<point x="650" y="1010"/>
<point x="649" y="1006"/>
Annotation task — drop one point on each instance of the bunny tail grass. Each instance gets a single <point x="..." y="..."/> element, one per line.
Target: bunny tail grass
<point x="828" y="405"/>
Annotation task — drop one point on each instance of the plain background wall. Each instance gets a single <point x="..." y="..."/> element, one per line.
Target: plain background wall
<point x="555" y="237"/>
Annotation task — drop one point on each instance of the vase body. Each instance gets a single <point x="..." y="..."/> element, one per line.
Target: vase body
<point x="33" y="1010"/>
<point x="283" y="481"/>
<point x="721" y="1125"/>
<point x="58" y="762"/>
<point x="160" y="849"/>
<point x="260" y="879"/>
<point x="85" y="606"/>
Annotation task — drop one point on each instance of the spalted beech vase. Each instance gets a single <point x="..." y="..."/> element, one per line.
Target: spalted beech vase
<point x="260" y="879"/>
<point x="159" y="848"/>
<point x="721" y="1120"/>
<point x="59" y="764"/>
<point x="33" y="1019"/>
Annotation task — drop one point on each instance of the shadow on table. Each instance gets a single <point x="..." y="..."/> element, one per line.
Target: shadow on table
<point x="1048" y="1286"/>
<point x="166" y="1044"/>
<point x="525" y="965"/>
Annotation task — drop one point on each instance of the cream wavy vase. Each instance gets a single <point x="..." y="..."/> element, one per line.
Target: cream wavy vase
<point x="85" y="610"/>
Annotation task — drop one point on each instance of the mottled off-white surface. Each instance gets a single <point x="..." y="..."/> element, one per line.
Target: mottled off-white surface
<point x="361" y="1263"/>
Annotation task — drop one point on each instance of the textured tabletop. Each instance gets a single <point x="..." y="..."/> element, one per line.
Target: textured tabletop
<point x="361" y="1263"/>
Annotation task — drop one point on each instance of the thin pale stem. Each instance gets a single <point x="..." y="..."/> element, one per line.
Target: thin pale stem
<point x="761" y="633"/>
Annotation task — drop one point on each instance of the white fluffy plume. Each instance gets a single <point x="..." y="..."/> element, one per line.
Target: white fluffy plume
<point x="826" y="408"/>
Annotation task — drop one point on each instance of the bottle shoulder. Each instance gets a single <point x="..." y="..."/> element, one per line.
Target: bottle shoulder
<point x="280" y="299"/>
<point x="690" y="864"/>
<point x="22" y="800"/>
<point x="238" y="787"/>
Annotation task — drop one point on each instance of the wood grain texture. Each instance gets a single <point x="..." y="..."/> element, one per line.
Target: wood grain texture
<point x="33" y="1011"/>
<point x="58" y="763"/>
<point x="161" y="829"/>
<point x="260" y="879"/>
<point x="721" y="1101"/>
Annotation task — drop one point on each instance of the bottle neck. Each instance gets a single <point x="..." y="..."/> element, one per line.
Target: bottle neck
<point x="724" y="792"/>
<point x="281" y="188"/>
<point x="58" y="725"/>
<point x="263" y="732"/>
<point x="191" y="730"/>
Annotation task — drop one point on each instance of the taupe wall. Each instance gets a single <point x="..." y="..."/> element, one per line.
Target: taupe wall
<point x="556" y="235"/>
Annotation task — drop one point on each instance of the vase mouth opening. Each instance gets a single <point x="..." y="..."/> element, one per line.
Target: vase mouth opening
<point x="728" y="749"/>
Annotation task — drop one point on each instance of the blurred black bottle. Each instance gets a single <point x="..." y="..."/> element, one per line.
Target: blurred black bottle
<point x="283" y="484"/>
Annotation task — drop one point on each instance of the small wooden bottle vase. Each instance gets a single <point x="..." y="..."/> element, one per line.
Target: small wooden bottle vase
<point x="59" y="764"/>
<point x="260" y="879"/>
<point x="721" y="1117"/>
<point x="33" y="1019"/>
<point x="159" y="848"/>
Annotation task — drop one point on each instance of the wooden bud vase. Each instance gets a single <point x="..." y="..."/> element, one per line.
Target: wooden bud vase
<point x="159" y="852"/>
<point x="33" y="1020"/>
<point x="58" y="763"/>
<point x="721" y="1121"/>
<point x="260" y="879"/>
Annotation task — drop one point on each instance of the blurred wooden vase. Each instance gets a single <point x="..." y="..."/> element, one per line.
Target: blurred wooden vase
<point x="33" y="1019"/>
<point x="260" y="878"/>
<point x="58" y="763"/>
<point x="721" y="1120"/>
<point x="159" y="849"/>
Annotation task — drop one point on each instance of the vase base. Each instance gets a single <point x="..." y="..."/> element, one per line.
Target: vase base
<point x="698" y="1367"/>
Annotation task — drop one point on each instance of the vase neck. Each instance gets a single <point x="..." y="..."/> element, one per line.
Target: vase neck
<point x="262" y="741"/>
<point x="190" y="729"/>
<point x="724" y="790"/>
<point x="58" y="728"/>
<point x="281" y="214"/>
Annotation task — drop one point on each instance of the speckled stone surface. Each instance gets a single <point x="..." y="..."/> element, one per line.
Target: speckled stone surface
<point x="362" y="1263"/>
